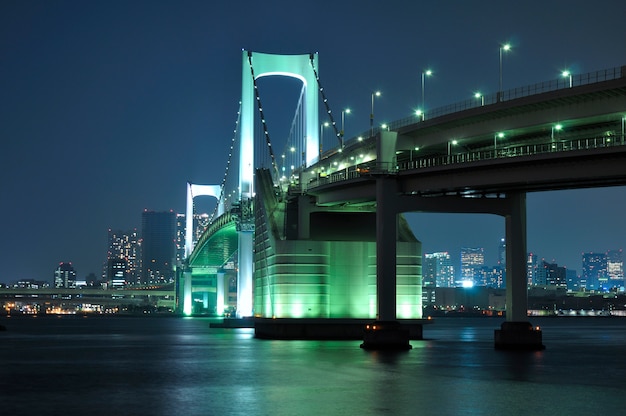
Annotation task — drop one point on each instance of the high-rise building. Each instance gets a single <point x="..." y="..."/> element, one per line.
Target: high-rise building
<point x="573" y="283"/>
<point x="200" y="224"/>
<point x="442" y="266"/>
<point x="594" y="271"/>
<point x="180" y="238"/>
<point x="493" y="276"/>
<point x="552" y="274"/>
<point x="117" y="272"/>
<point x="429" y="279"/>
<point x="65" y="276"/>
<point x="472" y="260"/>
<point x="531" y="264"/>
<point x="615" y="269"/>
<point x="158" y="246"/>
<point x="123" y="245"/>
<point x="502" y="253"/>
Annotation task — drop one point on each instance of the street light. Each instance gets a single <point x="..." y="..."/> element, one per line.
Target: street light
<point x="556" y="127"/>
<point x="482" y="98"/>
<point x="377" y="94"/>
<point x="420" y="114"/>
<point x="325" y="124"/>
<point x="426" y="73"/>
<point x="567" y="74"/>
<point x="495" y="142"/>
<point x="450" y="144"/>
<point x="343" y="122"/>
<point x="506" y="47"/>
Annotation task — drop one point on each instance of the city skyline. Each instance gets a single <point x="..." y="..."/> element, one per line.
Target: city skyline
<point x="110" y="108"/>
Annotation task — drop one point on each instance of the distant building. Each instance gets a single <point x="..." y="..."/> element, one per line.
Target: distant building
<point x="573" y="282"/>
<point x="200" y="224"/>
<point x="472" y="260"/>
<point x="180" y="238"/>
<point x="429" y="279"/>
<point x="123" y="245"/>
<point x="553" y="274"/>
<point x="442" y="266"/>
<point x="502" y="253"/>
<point x="493" y="276"/>
<point x="595" y="271"/>
<point x="117" y="273"/>
<point x="31" y="284"/>
<point x="531" y="266"/>
<point x="158" y="247"/>
<point x="65" y="276"/>
<point x="615" y="269"/>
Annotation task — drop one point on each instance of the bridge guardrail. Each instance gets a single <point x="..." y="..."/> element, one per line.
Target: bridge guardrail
<point x="511" y="94"/>
<point x="365" y="169"/>
<point x="515" y="151"/>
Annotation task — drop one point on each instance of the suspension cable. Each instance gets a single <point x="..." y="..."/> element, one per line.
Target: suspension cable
<point x="325" y="100"/>
<point x="231" y="152"/>
<point x="296" y="131"/>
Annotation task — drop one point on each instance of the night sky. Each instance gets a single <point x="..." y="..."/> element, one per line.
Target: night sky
<point x="109" y="107"/>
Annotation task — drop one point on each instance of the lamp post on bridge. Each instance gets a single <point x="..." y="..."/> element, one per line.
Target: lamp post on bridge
<point x="478" y="95"/>
<point x="325" y="124"/>
<point x="343" y="122"/>
<point x="506" y="47"/>
<point x="420" y="114"/>
<point x="567" y="74"/>
<point x="450" y="144"/>
<point x="425" y="73"/>
<point x="377" y="94"/>
<point x="495" y="143"/>
<point x="554" y="128"/>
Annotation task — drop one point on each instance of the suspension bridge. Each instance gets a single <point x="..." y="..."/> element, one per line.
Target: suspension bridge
<point x="314" y="234"/>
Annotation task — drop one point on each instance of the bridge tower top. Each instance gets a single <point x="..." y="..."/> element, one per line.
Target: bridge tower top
<point x="194" y="190"/>
<point x="256" y="65"/>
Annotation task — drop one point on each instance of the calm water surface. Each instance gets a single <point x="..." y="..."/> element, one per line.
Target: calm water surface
<point x="172" y="366"/>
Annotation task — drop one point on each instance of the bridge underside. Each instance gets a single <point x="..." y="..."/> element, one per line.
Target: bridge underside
<point x="204" y="284"/>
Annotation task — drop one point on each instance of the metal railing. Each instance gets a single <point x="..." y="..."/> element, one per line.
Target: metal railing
<point x="512" y="94"/>
<point x="514" y="151"/>
<point x="374" y="168"/>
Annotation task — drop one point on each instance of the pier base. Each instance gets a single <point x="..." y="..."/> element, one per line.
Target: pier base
<point x="388" y="335"/>
<point x="518" y="336"/>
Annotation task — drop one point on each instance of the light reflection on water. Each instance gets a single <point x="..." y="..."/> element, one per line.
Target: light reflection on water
<point x="165" y="366"/>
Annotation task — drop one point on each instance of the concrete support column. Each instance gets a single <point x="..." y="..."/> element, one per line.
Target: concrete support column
<point x="516" y="281"/>
<point x="516" y="332"/>
<point x="386" y="230"/>
<point x="220" y="292"/>
<point x="244" y="276"/>
<point x="386" y="333"/>
<point x="187" y="308"/>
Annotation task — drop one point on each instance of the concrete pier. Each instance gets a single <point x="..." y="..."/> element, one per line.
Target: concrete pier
<point x="386" y="335"/>
<point x="340" y="329"/>
<point x="518" y="336"/>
